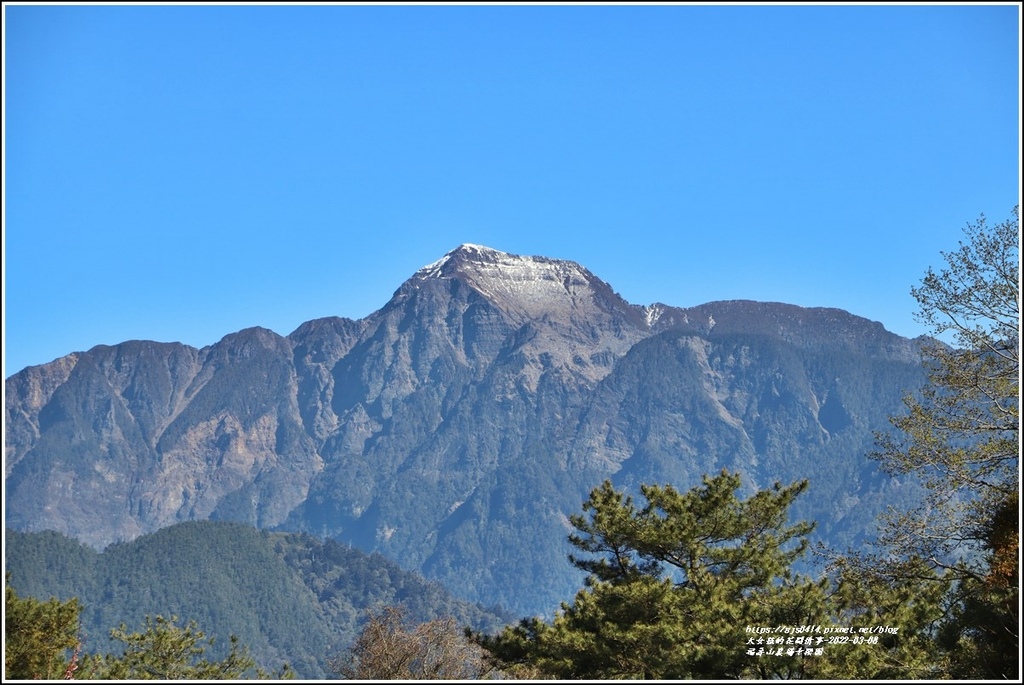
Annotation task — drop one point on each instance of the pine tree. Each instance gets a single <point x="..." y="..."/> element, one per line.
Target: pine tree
<point x="165" y="650"/>
<point x="41" y="639"/>
<point x="894" y="625"/>
<point x="673" y="587"/>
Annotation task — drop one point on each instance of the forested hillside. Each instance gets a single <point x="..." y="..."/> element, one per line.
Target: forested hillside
<point x="289" y="597"/>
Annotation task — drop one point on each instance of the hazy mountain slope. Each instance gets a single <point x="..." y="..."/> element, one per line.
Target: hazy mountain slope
<point x="681" y="405"/>
<point x="456" y="428"/>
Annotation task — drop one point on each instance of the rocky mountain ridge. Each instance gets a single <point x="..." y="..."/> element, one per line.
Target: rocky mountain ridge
<point x="457" y="427"/>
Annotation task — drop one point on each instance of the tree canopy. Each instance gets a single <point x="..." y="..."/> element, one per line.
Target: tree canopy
<point x="165" y="650"/>
<point x="672" y="585"/>
<point x="961" y="435"/>
<point x="961" y="432"/>
<point x="700" y="585"/>
<point x="39" y="636"/>
<point x="42" y="640"/>
<point x="390" y="648"/>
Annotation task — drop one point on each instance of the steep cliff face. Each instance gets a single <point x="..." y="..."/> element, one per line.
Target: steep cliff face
<point x="143" y="435"/>
<point x="456" y="428"/>
<point x="82" y="437"/>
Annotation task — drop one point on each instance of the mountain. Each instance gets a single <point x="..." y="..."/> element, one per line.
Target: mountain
<point x="288" y="597"/>
<point x="456" y="429"/>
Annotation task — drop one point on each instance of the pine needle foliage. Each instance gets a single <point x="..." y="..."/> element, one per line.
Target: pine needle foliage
<point x="672" y="585"/>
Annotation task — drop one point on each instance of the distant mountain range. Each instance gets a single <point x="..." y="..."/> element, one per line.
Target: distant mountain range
<point x="457" y="428"/>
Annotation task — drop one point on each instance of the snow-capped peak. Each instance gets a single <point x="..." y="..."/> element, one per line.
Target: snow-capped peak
<point x="466" y="250"/>
<point x="472" y="247"/>
<point x="530" y="287"/>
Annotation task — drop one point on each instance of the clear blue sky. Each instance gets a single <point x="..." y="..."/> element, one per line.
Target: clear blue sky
<point x="178" y="173"/>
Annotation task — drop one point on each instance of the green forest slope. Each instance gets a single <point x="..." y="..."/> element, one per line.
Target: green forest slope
<point x="289" y="597"/>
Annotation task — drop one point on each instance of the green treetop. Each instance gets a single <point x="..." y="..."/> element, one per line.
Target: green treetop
<point x="672" y="587"/>
<point x="165" y="650"/>
<point x="39" y="637"/>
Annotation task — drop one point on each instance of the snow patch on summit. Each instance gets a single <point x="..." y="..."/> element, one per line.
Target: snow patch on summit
<point x="434" y="269"/>
<point x="575" y="321"/>
<point x="532" y="286"/>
